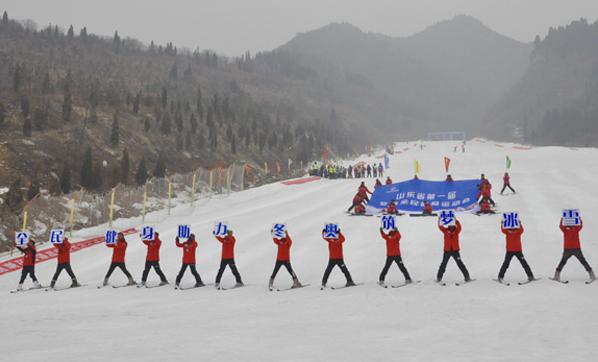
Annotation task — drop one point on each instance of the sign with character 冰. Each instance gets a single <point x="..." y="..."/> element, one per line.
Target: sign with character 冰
<point x="331" y="231"/>
<point x="388" y="222"/>
<point x="571" y="217"/>
<point x="510" y="220"/>
<point x="279" y="231"/>
<point x="447" y="218"/>
<point x="220" y="228"/>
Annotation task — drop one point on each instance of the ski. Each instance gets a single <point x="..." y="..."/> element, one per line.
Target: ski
<point x="383" y="285"/>
<point x="233" y="287"/>
<point x="590" y="281"/>
<point x="155" y="286"/>
<point x="26" y="290"/>
<point x="560" y="281"/>
<point x="346" y="286"/>
<point x="406" y="284"/>
<point x="459" y="283"/>
<point x="123" y="286"/>
<point x="65" y="288"/>
<point x="291" y="288"/>
<point x="442" y="284"/>
<point x="193" y="287"/>
<point x="528" y="281"/>
<point x="501" y="282"/>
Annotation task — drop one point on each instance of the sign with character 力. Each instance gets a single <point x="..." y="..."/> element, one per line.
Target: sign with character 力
<point x="220" y="228"/>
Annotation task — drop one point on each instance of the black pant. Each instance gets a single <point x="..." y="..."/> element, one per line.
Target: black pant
<point x="193" y="271"/>
<point x="567" y="253"/>
<point x="504" y="187"/>
<point x="389" y="261"/>
<point x="121" y="266"/>
<point x="28" y="270"/>
<point x="59" y="268"/>
<point x="156" y="266"/>
<point x="286" y="264"/>
<point x="505" y="265"/>
<point x="341" y="264"/>
<point x="487" y="198"/>
<point x="233" y="268"/>
<point x="445" y="258"/>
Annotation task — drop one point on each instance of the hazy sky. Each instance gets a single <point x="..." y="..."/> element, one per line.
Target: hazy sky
<point x="234" y="26"/>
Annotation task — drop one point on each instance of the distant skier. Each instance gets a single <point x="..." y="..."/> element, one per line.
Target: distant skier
<point x="357" y="200"/>
<point x="335" y="249"/>
<point x="391" y="209"/>
<point x="377" y="184"/>
<point x="228" y="259"/>
<point x="375" y="170"/>
<point x="451" y="249"/>
<point x="514" y="249"/>
<point x="152" y="259"/>
<point x="427" y="210"/>
<point x="572" y="247"/>
<point x="189" y="248"/>
<point x="380" y="170"/>
<point x="388" y="180"/>
<point x="393" y="254"/>
<point x="64" y="263"/>
<point x="369" y="171"/>
<point x="486" y="193"/>
<point x="283" y="258"/>
<point x="506" y="182"/>
<point x="485" y="207"/>
<point x="363" y="192"/>
<point x="350" y="172"/>
<point x="29" y="253"/>
<point x="119" y="249"/>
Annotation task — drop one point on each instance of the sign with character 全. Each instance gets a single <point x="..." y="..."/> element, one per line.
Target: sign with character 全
<point x="22" y="238"/>
<point x="56" y="236"/>
<point x="279" y="231"/>
<point x="571" y="217"/>
<point x="331" y="231"/>
<point x="388" y="222"/>
<point x="147" y="233"/>
<point x="510" y="220"/>
<point x="220" y="228"/>
<point x="447" y="218"/>
<point x="184" y="231"/>
<point x="110" y="237"/>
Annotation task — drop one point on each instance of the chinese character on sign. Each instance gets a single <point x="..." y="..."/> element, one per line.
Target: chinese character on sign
<point x="452" y="195"/>
<point x="445" y="204"/>
<point x="571" y="217"/>
<point x="388" y="222"/>
<point x="110" y="237"/>
<point x="510" y="220"/>
<point x="279" y="231"/>
<point x="22" y="238"/>
<point x="184" y="231"/>
<point x="220" y="228"/>
<point x="331" y="231"/>
<point x="56" y="236"/>
<point x="147" y="233"/>
<point x="404" y="202"/>
<point x="421" y="196"/>
<point x="410" y="194"/>
<point x="447" y="218"/>
<point x="400" y="196"/>
<point x="431" y="197"/>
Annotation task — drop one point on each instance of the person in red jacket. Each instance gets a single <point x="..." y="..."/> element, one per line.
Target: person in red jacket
<point x="357" y="200"/>
<point x="393" y="254"/>
<point x="427" y="210"/>
<point x="514" y="249"/>
<point x="485" y="208"/>
<point x="228" y="258"/>
<point x="335" y="249"/>
<point x="506" y="182"/>
<point x="451" y="249"/>
<point x="572" y="247"/>
<point x="152" y="259"/>
<point x="189" y="248"/>
<point x="64" y="263"/>
<point x="283" y="258"/>
<point x="388" y="180"/>
<point x="29" y="253"/>
<point x="486" y="193"/>
<point x="363" y="191"/>
<point x="391" y="209"/>
<point x="119" y="250"/>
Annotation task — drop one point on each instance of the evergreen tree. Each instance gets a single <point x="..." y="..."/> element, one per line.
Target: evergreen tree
<point x="165" y="126"/>
<point x="201" y="141"/>
<point x="46" y="86"/>
<point x="174" y="71"/>
<point x="2" y="114"/>
<point x="83" y="33"/>
<point x="116" y="42"/>
<point x="67" y="106"/>
<point x="229" y="132"/>
<point x="199" y="104"/>
<point x="178" y="119"/>
<point x="141" y="176"/>
<point x="98" y="179"/>
<point x="164" y="97"/>
<point x="160" y="170"/>
<point x="17" y="78"/>
<point x="124" y="167"/>
<point x="5" y="18"/>
<point x="147" y="125"/>
<point x="87" y="170"/>
<point x="71" y="32"/>
<point x="25" y="106"/>
<point x="40" y="118"/>
<point x="27" y="128"/>
<point x="136" y="103"/>
<point x="65" y="179"/>
<point x="114" y="133"/>
<point x="192" y="122"/>
<point x="233" y="145"/>
<point x="33" y="189"/>
<point x="188" y="141"/>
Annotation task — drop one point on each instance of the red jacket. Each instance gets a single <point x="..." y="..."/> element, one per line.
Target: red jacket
<point x="29" y="255"/>
<point x="485" y="206"/>
<point x="388" y="181"/>
<point x="451" y="239"/>
<point x="153" y="249"/>
<point x="64" y="251"/>
<point x="228" y="246"/>
<point x="513" y="238"/>
<point x="506" y="179"/>
<point x="357" y="200"/>
<point x="363" y="192"/>
<point x="284" y="248"/>
<point x="393" y="247"/>
<point x="391" y="209"/>
<point x="335" y="247"/>
<point x="189" y="247"/>
<point x="119" y="251"/>
<point x="571" y="235"/>
<point x="486" y="189"/>
<point x="428" y="208"/>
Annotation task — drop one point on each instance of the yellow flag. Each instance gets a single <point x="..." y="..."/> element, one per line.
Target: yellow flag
<point x="416" y="165"/>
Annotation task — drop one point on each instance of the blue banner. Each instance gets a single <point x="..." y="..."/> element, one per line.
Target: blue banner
<point x="411" y="195"/>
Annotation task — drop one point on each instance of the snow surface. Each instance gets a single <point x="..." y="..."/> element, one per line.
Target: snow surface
<point x="481" y="321"/>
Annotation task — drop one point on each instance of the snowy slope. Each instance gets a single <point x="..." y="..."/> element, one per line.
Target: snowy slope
<point x="482" y="321"/>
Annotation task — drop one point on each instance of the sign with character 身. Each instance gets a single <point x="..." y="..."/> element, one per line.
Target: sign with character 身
<point x="220" y="228"/>
<point x="388" y="222"/>
<point x="147" y="233"/>
<point x="510" y="220"/>
<point x="56" y="236"/>
<point x="22" y="238"/>
<point x="279" y="231"/>
<point x="447" y="218"/>
<point x="110" y="237"/>
<point x="571" y="217"/>
<point x="331" y="231"/>
<point x="184" y="231"/>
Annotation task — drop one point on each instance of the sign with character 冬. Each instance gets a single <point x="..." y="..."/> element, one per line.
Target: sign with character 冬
<point x="110" y="237"/>
<point x="331" y="231"/>
<point x="279" y="231"/>
<point x="220" y="228"/>
<point x="510" y="220"/>
<point x="147" y="233"/>
<point x="447" y="218"/>
<point x="22" y="238"/>
<point x="571" y="217"/>
<point x="388" y="222"/>
<point x="56" y="236"/>
<point x="184" y="231"/>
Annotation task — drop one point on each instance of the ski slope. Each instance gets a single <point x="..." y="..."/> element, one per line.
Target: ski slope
<point x="480" y="321"/>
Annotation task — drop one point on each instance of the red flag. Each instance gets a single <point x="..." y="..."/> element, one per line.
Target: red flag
<point x="447" y="163"/>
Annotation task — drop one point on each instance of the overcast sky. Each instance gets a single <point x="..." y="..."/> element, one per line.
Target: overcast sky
<point x="234" y="26"/>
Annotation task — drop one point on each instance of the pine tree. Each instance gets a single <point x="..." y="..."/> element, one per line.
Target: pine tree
<point x="141" y="176"/>
<point x="229" y="132"/>
<point x="160" y="170"/>
<point x="2" y="114"/>
<point x="136" y="103"/>
<point x="147" y="125"/>
<point x="199" y="104"/>
<point x="174" y="71"/>
<point x="17" y="78"/>
<point x="25" y="108"/>
<point x="165" y="126"/>
<point x="201" y="141"/>
<point x="27" y="128"/>
<point x="233" y="145"/>
<point x="5" y="18"/>
<point x="114" y="133"/>
<point x="192" y="122"/>
<point x="83" y="33"/>
<point x="188" y="141"/>
<point x="98" y="180"/>
<point x="124" y="167"/>
<point x="164" y="97"/>
<point x="46" y="86"/>
<point x="87" y="170"/>
<point x="40" y="118"/>
<point x="71" y="32"/>
<point x="67" y="106"/>
<point x="116" y="42"/>
<point x="178" y="119"/>
<point x="65" y="179"/>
